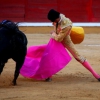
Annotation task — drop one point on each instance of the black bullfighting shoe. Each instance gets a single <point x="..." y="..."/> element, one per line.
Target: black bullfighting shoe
<point x="48" y="79"/>
<point x="98" y="79"/>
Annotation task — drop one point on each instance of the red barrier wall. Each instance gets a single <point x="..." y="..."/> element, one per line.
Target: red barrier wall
<point x="12" y="9"/>
<point x="36" y="10"/>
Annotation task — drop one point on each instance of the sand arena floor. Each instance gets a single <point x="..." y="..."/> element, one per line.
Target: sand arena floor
<point x="73" y="82"/>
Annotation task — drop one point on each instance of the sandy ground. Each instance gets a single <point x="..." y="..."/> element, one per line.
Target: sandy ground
<point x="73" y="82"/>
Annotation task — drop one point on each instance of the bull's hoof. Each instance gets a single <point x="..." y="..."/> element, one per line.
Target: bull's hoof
<point x="14" y="83"/>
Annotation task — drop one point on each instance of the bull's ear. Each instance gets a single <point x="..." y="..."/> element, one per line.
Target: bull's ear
<point x="5" y="21"/>
<point x="10" y="25"/>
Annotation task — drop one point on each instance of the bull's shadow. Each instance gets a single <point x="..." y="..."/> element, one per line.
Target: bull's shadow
<point x="13" y="44"/>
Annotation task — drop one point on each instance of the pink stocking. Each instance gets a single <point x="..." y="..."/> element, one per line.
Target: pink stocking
<point x="88" y="66"/>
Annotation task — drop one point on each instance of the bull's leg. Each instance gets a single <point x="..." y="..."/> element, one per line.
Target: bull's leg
<point x="1" y="67"/>
<point x="16" y="74"/>
<point x="17" y="71"/>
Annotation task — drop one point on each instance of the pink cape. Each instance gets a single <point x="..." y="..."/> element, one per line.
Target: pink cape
<point x="44" y="61"/>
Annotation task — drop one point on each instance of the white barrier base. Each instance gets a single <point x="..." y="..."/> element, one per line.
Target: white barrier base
<point x="50" y="24"/>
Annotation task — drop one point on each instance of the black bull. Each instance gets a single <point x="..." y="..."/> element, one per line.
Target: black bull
<point x="13" y="44"/>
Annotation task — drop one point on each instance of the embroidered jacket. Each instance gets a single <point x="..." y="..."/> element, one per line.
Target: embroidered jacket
<point x="63" y="28"/>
